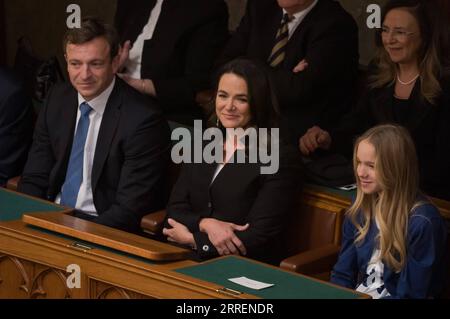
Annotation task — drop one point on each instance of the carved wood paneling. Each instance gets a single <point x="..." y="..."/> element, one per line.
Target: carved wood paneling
<point x="50" y="283"/>
<point x="45" y="259"/>
<point x="444" y="5"/>
<point x="15" y="277"/>
<point x="100" y="290"/>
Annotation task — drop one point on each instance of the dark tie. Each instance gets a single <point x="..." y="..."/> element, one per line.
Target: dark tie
<point x="74" y="176"/>
<point x="278" y="52"/>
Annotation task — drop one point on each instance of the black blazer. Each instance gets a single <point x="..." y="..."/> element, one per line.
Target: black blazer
<point x="327" y="38"/>
<point x="130" y="159"/>
<point x="240" y="195"/>
<point x="16" y="125"/>
<point x="427" y="123"/>
<point x="180" y="56"/>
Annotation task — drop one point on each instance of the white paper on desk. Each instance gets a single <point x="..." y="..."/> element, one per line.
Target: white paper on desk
<point x="249" y="283"/>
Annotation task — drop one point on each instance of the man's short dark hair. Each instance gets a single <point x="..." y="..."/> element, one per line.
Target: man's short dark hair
<point x="90" y="29"/>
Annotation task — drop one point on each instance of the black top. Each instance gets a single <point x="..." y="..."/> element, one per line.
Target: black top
<point x="427" y="123"/>
<point x="400" y="108"/>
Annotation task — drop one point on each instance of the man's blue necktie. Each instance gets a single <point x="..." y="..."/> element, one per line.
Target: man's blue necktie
<point x="74" y="176"/>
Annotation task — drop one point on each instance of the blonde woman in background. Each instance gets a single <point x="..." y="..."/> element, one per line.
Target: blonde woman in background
<point x="409" y="85"/>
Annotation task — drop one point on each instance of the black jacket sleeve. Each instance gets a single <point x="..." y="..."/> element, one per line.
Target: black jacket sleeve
<point x="179" y="207"/>
<point x="15" y="133"/>
<point x="142" y="175"/>
<point x="41" y="160"/>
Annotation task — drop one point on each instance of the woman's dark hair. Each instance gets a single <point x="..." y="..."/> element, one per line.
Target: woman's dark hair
<point x="261" y="96"/>
<point x="433" y="55"/>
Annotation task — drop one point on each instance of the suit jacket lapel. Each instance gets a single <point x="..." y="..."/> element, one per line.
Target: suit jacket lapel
<point x="107" y="132"/>
<point x="208" y="173"/>
<point x="134" y="17"/>
<point x="169" y="15"/>
<point x="232" y="172"/>
<point x="164" y="36"/>
<point x="67" y="132"/>
<point x="270" y="29"/>
<point x="297" y="38"/>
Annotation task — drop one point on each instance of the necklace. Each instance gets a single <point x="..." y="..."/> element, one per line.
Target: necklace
<point x="409" y="82"/>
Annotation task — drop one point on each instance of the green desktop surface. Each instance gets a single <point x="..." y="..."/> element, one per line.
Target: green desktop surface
<point x="333" y="191"/>
<point x="14" y="205"/>
<point x="286" y="285"/>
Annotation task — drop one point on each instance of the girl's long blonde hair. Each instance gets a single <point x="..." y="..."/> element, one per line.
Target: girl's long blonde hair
<point x="397" y="174"/>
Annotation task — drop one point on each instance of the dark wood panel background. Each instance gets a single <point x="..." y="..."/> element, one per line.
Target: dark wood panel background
<point x="445" y="6"/>
<point x="45" y="24"/>
<point x="2" y="33"/>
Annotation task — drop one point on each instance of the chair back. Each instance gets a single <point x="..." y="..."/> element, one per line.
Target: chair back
<point x="313" y="223"/>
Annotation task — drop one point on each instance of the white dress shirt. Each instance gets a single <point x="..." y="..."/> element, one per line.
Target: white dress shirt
<point x="85" y="199"/>
<point x="298" y="18"/>
<point x="134" y="63"/>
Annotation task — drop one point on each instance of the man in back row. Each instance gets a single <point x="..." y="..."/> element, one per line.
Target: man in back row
<point x="99" y="146"/>
<point x="310" y="48"/>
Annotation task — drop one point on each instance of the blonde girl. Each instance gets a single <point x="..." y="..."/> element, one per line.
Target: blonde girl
<point x="393" y="238"/>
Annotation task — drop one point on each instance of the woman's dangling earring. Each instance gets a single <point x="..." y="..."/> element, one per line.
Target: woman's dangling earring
<point x="217" y="123"/>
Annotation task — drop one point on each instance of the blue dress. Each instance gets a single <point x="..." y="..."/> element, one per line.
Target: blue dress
<point x="424" y="272"/>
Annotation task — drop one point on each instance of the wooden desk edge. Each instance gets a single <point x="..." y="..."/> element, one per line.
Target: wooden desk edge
<point x="172" y="253"/>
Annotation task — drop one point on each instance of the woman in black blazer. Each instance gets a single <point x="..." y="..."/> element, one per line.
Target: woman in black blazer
<point x="410" y="86"/>
<point x="231" y="207"/>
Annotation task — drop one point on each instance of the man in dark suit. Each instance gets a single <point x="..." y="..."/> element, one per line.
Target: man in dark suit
<point x="99" y="145"/>
<point x="314" y="71"/>
<point x="16" y="125"/>
<point x="169" y="48"/>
